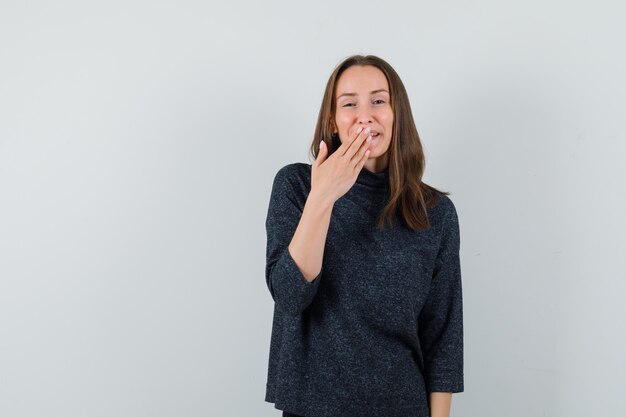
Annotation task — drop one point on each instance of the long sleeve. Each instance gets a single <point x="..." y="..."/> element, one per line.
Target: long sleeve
<point x="289" y="288"/>
<point x="440" y="323"/>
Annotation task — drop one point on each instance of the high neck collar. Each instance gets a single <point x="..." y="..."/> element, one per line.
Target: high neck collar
<point x="373" y="179"/>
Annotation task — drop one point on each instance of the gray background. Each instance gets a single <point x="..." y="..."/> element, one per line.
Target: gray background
<point x="139" y="140"/>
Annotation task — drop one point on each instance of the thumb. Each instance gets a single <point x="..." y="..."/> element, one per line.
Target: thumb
<point x="322" y="154"/>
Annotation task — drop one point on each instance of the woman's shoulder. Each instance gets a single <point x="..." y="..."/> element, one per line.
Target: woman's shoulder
<point x="445" y="202"/>
<point x="443" y="209"/>
<point x="294" y="170"/>
<point x="294" y="176"/>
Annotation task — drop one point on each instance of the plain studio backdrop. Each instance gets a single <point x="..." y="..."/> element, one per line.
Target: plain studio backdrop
<point x="139" y="141"/>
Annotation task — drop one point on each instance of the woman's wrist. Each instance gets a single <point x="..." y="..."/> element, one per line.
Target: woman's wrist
<point x="440" y="403"/>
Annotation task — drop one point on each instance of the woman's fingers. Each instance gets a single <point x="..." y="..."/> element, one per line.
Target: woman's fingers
<point x="361" y="163"/>
<point x="334" y="175"/>
<point x="321" y="154"/>
<point x="345" y="145"/>
<point x="363" y="155"/>
<point x="355" y="146"/>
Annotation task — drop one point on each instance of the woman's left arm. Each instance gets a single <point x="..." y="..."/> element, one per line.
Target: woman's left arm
<point x="440" y="403"/>
<point x="440" y="322"/>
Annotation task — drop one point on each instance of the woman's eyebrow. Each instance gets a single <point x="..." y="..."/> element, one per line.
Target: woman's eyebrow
<point x="381" y="90"/>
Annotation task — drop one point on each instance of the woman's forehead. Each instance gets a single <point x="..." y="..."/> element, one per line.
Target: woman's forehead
<point x="361" y="80"/>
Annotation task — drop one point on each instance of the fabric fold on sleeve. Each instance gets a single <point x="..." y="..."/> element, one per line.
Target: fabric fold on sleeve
<point x="440" y="324"/>
<point x="289" y="288"/>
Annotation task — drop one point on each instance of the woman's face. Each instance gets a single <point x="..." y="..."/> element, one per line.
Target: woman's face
<point x="362" y="99"/>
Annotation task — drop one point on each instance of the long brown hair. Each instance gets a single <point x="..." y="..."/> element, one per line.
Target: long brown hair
<point x="409" y="195"/>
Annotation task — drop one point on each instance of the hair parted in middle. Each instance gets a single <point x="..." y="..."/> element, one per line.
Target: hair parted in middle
<point x="409" y="196"/>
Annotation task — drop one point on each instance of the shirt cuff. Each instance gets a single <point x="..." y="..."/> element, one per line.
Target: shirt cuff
<point x="298" y="292"/>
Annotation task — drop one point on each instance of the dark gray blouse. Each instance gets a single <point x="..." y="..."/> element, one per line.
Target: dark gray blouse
<point x="381" y="325"/>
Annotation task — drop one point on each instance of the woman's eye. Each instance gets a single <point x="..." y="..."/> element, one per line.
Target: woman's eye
<point x="348" y="104"/>
<point x="379" y="101"/>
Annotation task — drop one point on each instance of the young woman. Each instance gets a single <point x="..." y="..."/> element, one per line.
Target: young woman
<point x="363" y="263"/>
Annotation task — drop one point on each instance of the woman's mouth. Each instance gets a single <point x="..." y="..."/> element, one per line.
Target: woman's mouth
<point x="374" y="139"/>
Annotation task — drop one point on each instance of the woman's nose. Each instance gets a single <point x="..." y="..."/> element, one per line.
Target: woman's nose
<point x="364" y="116"/>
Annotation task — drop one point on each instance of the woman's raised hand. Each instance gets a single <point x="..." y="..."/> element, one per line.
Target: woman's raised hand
<point x="332" y="177"/>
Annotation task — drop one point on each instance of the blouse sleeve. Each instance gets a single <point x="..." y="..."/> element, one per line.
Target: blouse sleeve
<point x="288" y="287"/>
<point x="440" y="324"/>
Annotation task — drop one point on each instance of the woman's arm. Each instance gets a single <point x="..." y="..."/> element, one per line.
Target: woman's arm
<point x="440" y="404"/>
<point x="331" y="177"/>
<point x="293" y="280"/>
<point x="307" y="245"/>
<point x="296" y="237"/>
<point x="440" y="322"/>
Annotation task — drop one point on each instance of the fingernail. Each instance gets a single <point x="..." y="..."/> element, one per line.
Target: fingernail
<point x="368" y="130"/>
<point x="321" y="144"/>
<point x="359" y="129"/>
